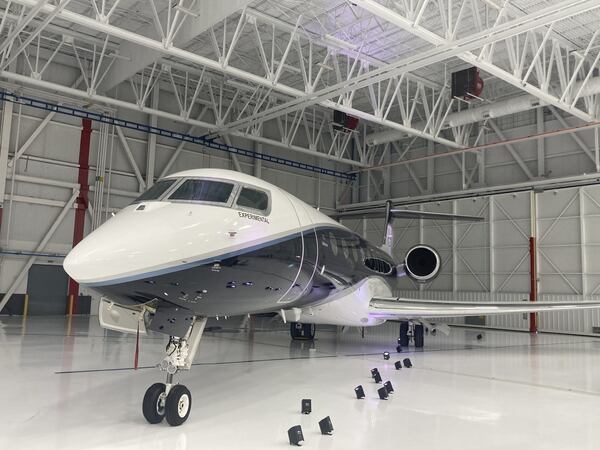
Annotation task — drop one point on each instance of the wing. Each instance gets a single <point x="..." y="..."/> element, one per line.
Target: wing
<point x="389" y="308"/>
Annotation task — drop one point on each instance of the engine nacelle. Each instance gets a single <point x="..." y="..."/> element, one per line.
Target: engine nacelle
<point x="422" y="263"/>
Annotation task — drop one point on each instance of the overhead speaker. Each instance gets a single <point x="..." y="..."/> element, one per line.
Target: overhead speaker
<point x="344" y="122"/>
<point x="295" y="435"/>
<point x="306" y="406"/>
<point x="467" y="83"/>
<point x="383" y="393"/>
<point x="374" y="371"/>
<point x="398" y="365"/>
<point x="407" y="363"/>
<point x="388" y="386"/>
<point x="359" y="391"/>
<point x="386" y="355"/>
<point x="325" y="425"/>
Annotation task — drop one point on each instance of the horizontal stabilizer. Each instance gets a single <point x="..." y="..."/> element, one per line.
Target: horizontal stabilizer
<point x="411" y="308"/>
<point x="380" y="212"/>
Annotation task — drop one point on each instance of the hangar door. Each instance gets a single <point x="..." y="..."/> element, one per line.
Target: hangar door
<point x="47" y="289"/>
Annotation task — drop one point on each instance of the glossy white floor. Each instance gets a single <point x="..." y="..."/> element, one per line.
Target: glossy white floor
<point x="72" y="388"/>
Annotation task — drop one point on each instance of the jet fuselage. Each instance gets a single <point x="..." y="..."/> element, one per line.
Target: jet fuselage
<point x="222" y="243"/>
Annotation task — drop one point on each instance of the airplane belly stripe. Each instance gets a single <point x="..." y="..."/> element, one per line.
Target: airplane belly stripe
<point x="215" y="258"/>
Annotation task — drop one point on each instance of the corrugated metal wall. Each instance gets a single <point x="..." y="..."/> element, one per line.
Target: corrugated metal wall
<point x="564" y="322"/>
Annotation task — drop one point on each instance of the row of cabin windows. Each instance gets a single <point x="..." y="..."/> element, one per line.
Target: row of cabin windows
<point x="207" y="191"/>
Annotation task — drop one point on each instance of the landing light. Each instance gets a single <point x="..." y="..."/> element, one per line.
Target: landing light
<point x="325" y="425"/>
<point x="383" y="393"/>
<point x="295" y="435"/>
<point x="359" y="391"/>
<point x="306" y="406"/>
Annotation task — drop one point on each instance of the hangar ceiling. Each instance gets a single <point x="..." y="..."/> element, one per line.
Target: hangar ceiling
<point x="290" y="63"/>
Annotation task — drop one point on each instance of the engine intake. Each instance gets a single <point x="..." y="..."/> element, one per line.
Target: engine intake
<point x="422" y="263"/>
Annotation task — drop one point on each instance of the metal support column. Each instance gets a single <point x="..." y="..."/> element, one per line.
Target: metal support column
<point x="492" y="236"/>
<point x="541" y="152"/>
<point x="151" y="154"/>
<point x="81" y="204"/>
<point x="430" y="168"/>
<point x="533" y="288"/>
<point x="454" y="249"/>
<point x="7" y="114"/>
<point x="257" y="171"/>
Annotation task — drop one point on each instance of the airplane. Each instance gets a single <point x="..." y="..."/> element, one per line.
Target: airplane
<point x="212" y="243"/>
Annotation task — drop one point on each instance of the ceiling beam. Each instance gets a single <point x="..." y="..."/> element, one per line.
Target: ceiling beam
<point x="50" y="86"/>
<point x="206" y="14"/>
<point x="443" y="51"/>
<point x="484" y="63"/>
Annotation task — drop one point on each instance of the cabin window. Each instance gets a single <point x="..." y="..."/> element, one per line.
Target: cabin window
<point x="203" y="191"/>
<point x="334" y="244"/>
<point x="156" y="191"/>
<point x="346" y="248"/>
<point x="251" y="198"/>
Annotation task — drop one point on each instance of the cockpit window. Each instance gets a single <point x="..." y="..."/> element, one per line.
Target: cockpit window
<point x="203" y="191"/>
<point x="157" y="189"/>
<point x="251" y="198"/>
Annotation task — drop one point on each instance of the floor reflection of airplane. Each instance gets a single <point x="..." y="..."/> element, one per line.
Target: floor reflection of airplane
<point x="209" y="242"/>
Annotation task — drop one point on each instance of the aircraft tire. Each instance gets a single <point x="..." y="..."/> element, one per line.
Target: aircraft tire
<point x="302" y="331"/>
<point x="403" y="334"/>
<point x="419" y="336"/>
<point x="178" y="405"/>
<point x="152" y="407"/>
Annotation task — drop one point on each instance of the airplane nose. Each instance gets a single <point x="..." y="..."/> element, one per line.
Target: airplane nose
<point x="70" y="264"/>
<point x="123" y="246"/>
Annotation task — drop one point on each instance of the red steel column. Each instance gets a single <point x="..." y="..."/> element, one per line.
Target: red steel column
<point x="81" y="204"/>
<point x="533" y="283"/>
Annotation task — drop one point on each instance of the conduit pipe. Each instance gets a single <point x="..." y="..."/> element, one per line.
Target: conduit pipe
<point x="490" y="111"/>
<point x="516" y="140"/>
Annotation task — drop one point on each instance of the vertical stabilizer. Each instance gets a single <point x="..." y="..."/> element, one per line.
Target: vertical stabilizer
<point x="388" y="230"/>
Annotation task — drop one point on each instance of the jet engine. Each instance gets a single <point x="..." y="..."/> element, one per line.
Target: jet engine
<point x="422" y="263"/>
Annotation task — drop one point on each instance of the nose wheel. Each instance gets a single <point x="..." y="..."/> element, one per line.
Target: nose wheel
<point x="153" y="406"/>
<point x="174" y="406"/>
<point x="178" y="405"/>
<point x="169" y="401"/>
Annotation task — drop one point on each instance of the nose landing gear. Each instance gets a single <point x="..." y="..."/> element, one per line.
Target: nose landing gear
<point x="166" y="400"/>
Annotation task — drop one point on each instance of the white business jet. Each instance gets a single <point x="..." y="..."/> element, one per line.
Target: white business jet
<point x="210" y="243"/>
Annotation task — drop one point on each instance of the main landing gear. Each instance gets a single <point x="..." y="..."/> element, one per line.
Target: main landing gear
<point x="166" y="400"/>
<point x="302" y="331"/>
<point x="410" y="330"/>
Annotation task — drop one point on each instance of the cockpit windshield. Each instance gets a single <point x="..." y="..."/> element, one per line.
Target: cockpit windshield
<point x="203" y="191"/>
<point x="158" y="189"/>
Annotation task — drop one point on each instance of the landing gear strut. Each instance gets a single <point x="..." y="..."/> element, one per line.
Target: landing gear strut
<point x="166" y="400"/>
<point x="302" y="331"/>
